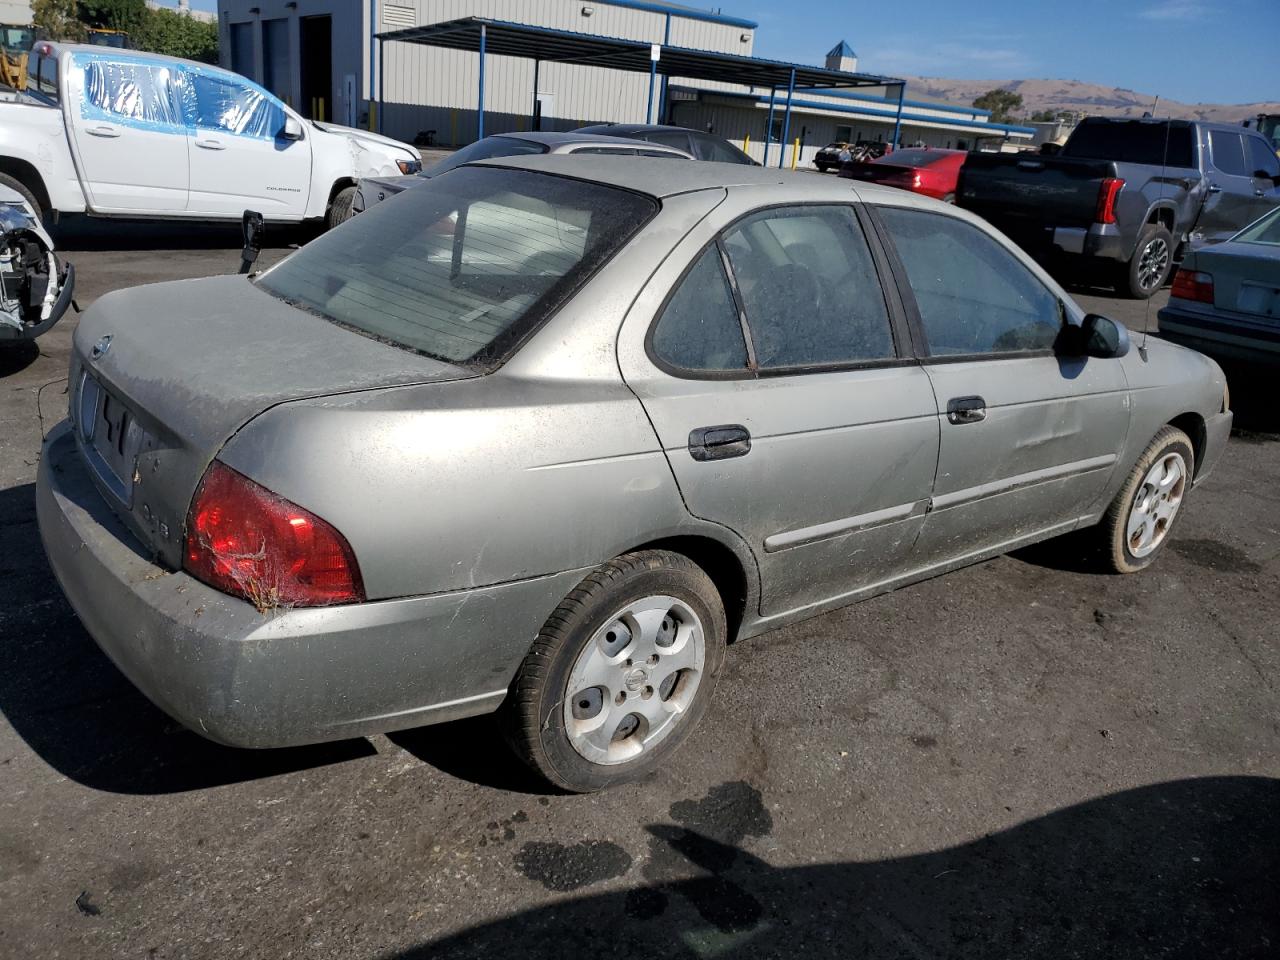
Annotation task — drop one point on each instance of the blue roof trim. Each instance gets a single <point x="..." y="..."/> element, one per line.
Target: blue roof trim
<point x="840" y="108"/>
<point x="841" y="49"/>
<point x="690" y="14"/>
<point x="849" y="94"/>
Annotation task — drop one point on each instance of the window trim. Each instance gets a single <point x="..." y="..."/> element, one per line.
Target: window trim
<point x="1244" y="153"/>
<point x="919" y="337"/>
<point x="904" y="355"/>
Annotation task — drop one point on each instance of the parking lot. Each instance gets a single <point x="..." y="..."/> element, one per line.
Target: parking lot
<point x="1019" y="759"/>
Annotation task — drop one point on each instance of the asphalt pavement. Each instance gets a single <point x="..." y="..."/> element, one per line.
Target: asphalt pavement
<point x="1020" y="759"/>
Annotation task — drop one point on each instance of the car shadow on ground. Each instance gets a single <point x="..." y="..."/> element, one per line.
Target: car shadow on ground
<point x="472" y="750"/>
<point x="75" y="710"/>
<point x="1179" y="869"/>
<point x="1253" y="401"/>
<point x="80" y="233"/>
<point x="17" y="355"/>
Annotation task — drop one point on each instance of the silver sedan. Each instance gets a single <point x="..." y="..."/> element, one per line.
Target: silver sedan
<point x="546" y="434"/>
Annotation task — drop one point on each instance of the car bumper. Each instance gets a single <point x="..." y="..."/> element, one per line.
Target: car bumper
<point x="1102" y="240"/>
<point x="1222" y="338"/>
<point x="285" y="677"/>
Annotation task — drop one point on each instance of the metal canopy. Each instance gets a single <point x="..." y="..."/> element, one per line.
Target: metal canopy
<point x="563" y="46"/>
<point x="484" y="36"/>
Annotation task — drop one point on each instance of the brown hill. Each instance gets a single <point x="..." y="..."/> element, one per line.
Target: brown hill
<point x="1088" y="98"/>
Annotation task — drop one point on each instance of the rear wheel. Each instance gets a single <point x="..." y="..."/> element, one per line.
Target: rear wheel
<point x="620" y="674"/>
<point x="1151" y="262"/>
<point x="340" y="208"/>
<point x="1136" y="526"/>
<point x="15" y="184"/>
<point x="822" y="167"/>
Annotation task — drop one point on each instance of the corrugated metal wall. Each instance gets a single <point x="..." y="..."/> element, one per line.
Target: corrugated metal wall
<point x="427" y="88"/>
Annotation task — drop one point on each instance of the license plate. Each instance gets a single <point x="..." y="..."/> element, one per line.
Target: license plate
<point x="1255" y="298"/>
<point x="113" y="437"/>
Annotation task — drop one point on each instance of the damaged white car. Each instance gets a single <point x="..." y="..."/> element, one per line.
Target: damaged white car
<point x="35" y="289"/>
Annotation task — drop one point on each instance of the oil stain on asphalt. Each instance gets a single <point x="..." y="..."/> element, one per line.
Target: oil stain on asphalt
<point x="1215" y="556"/>
<point x="563" y="867"/>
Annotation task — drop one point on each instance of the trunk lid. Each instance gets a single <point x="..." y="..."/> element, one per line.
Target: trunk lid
<point x="162" y="376"/>
<point x="1246" y="278"/>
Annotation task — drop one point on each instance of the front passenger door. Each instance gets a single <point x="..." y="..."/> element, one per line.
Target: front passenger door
<point x="1029" y="439"/>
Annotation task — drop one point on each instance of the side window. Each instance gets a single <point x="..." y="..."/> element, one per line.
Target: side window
<point x="670" y="138"/>
<point x="1262" y="157"/>
<point x="710" y="148"/>
<point x="973" y="295"/>
<point x="215" y="102"/>
<point x="809" y="288"/>
<point x="660" y="154"/>
<point x="700" y="329"/>
<point x="1227" y="152"/>
<point x="137" y="92"/>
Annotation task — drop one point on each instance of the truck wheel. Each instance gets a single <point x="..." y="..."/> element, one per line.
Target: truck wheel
<point x="1136" y="526"/>
<point x="620" y="674"/>
<point x="14" y="184"/>
<point x="340" y="208"/>
<point x="1151" y="262"/>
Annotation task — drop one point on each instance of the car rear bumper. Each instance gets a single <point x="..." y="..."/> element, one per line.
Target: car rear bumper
<point x="1222" y="338"/>
<point x="1102" y="240"/>
<point x="283" y="677"/>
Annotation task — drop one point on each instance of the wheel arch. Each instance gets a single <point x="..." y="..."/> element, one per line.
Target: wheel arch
<point x="733" y="574"/>
<point x="29" y="177"/>
<point x="1165" y="215"/>
<point x="1192" y="424"/>
<point x="338" y="186"/>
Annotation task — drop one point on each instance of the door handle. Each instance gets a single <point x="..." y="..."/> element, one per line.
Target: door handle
<point x="211" y="144"/>
<point x="1259" y="193"/>
<point x="962" y="410"/>
<point x="719" y="443"/>
<point x="102" y="131"/>
<point x="1214" y="188"/>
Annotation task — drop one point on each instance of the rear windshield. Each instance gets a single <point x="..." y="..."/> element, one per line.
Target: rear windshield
<point x="486" y="149"/>
<point x="464" y="267"/>
<point x="910" y="158"/>
<point x="1132" y="141"/>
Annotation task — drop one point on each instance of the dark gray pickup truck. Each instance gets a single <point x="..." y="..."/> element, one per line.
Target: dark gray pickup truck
<point x="1131" y="194"/>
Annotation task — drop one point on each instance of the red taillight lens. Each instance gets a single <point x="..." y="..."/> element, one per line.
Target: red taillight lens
<point x="1107" y="192"/>
<point x="915" y="181"/>
<point x="246" y="541"/>
<point x="1193" y="285"/>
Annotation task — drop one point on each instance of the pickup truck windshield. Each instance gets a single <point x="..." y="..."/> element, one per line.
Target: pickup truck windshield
<point x="1132" y="141"/>
<point x="467" y="265"/>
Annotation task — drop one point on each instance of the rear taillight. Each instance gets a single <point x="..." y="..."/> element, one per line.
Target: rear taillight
<point x="1193" y="285"/>
<point x="1107" y="192"/>
<point x="915" y="181"/>
<point x="246" y="541"/>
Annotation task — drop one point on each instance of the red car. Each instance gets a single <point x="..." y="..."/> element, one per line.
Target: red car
<point x="919" y="169"/>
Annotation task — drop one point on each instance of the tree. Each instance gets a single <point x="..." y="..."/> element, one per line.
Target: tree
<point x="1044" y="116"/>
<point x="175" y="35"/>
<point x="123" y="15"/>
<point x="1002" y="104"/>
<point x="56" y="20"/>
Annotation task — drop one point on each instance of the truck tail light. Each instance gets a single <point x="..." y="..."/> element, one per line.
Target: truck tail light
<point x="1193" y="285"/>
<point x="244" y="540"/>
<point x="1107" y="192"/>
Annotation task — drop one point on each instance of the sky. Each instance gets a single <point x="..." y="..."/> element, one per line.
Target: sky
<point x="1194" y="51"/>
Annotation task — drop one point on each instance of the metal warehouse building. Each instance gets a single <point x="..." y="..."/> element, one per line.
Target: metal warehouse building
<point x="335" y="60"/>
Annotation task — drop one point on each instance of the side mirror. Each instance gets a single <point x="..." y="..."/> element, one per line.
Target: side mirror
<point x="251" y="226"/>
<point x="1102" y="337"/>
<point x="292" y="129"/>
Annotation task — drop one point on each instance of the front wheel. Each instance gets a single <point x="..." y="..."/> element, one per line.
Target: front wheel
<point x="620" y="674"/>
<point x="15" y="184"/>
<point x="1136" y="526"/>
<point x="340" y="208"/>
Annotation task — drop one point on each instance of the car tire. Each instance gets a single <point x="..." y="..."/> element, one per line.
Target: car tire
<point x="613" y="628"/>
<point x="340" y="208"/>
<point x="1151" y="263"/>
<point x="15" y="184"/>
<point x="1136" y="527"/>
<point x="822" y="167"/>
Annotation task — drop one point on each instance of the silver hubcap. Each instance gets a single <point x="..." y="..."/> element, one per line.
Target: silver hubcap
<point x="1153" y="263"/>
<point x="634" y="680"/>
<point x="1157" y="504"/>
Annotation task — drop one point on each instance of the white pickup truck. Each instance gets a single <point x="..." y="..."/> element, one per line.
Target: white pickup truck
<point x="120" y="133"/>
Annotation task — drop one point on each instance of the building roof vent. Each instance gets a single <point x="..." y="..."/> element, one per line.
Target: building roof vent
<point x="842" y="57"/>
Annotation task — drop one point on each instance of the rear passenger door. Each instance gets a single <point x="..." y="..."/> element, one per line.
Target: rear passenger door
<point x="1029" y="439"/>
<point x="771" y="362"/>
<point x="1236" y="197"/>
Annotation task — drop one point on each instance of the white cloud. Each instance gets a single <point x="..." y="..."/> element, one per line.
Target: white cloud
<point x="946" y="59"/>
<point x="1181" y="10"/>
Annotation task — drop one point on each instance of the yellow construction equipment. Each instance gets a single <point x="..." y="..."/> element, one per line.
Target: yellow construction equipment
<point x="15" y="41"/>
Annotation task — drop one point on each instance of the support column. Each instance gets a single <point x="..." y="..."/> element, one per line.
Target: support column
<point x="535" y="119"/>
<point x="663" y="109"/>
<point x="768" y="125"/>
<point x="654" y="53"/>
<point x="480" y="92"/>
<point x="382" y="72"/>
<point x="897" y="122"/>
<point x="786" y="120"/>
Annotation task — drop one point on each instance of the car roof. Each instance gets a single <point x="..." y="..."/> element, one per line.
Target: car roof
<point x="657" y="178"/>
<point x="125" y="55"/>
<point x="558" y="139"/>
<point x="637" y="127"/>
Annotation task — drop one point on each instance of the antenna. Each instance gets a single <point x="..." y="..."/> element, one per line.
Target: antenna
<point x="1164" y="167"/>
